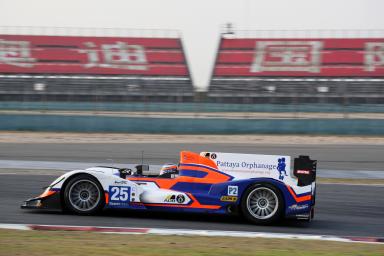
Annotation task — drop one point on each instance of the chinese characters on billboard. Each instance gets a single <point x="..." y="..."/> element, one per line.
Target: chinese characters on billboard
<point x="92" y="55"/>
<point x="165" y="56"/>
<point x="301" y="57"/>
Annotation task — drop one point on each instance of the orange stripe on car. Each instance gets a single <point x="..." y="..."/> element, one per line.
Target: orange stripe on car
<point x="298" y="199"/>
<point x="47" y="193"/>
<point x="169" y="183"/>
<point x="106" y="197"/>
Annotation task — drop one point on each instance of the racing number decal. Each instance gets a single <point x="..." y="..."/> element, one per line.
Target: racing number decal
<point x="119" y="194"/>
<point x="233" y="190"/>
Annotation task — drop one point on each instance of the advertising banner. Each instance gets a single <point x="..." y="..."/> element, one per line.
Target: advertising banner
<point x="300" y="58"/>
<point x="92" y="55"/>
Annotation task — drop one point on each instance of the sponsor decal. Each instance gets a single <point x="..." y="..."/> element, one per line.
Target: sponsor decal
<point x="281" y="168"/>
<point x="303" y="172"/>
<point x="246" y="165"/>
<point x="297" y="207"/>
<point x="121" y="182"/>
<point x="233" y="190"/>
<point x="175" y="199"/>
<point x="213" y="156"/>
<point x="228" y="198"/>
<point x="170" y="199"/>
<point x="180" y="199"/>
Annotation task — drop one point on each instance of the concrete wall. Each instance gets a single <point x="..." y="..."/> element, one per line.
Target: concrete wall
<point x="62" y="123"/>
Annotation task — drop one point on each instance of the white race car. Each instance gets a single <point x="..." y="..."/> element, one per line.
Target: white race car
<point x="263" y="188"/>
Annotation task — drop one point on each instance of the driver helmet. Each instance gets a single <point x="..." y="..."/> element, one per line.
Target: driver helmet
<point x="169" y="168"/>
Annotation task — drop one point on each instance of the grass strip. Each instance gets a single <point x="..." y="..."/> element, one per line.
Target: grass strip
<point x="57" y="243"/>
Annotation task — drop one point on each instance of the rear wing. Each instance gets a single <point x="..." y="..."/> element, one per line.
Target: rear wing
<point x="305" y="170"/>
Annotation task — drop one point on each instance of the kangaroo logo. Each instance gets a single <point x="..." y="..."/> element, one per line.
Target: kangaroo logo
<point x="281" y="168"/>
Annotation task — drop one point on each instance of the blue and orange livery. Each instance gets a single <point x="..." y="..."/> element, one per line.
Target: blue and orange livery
<point x="261" y="187"/>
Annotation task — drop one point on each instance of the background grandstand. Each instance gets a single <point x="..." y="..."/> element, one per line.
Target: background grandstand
<point x="139" y="81"/>
<point x="70" y="64"/>
<point x="116" y="65"/>
<point x="299" y="67"/>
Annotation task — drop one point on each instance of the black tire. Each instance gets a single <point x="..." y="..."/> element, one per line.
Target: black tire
<point x="84" y="195"/>
<point x="262" y="204"/>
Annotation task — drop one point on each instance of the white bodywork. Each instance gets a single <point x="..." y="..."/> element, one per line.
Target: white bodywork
<point x="145" y="192"/>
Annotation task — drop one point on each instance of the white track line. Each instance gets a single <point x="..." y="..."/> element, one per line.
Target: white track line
<point x="191" y="232"/>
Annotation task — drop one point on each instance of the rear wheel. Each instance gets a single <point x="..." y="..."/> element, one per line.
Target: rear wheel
<point x="262" y="204"/>
<point x="84" y="195"/>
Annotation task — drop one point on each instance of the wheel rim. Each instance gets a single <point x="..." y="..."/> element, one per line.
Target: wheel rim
<point x="84" y="195"/>
<point x="262" y="203"/>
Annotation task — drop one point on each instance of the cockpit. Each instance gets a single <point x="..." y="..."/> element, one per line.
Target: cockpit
<point x="168" y="170"/>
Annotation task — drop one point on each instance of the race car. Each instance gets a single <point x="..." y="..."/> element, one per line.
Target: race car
<point x="262" y="188"/>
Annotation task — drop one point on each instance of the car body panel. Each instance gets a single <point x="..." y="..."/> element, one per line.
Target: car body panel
<point x="210" y="182"/>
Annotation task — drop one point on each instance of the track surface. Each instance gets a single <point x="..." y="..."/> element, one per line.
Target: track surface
<point x="341" y="210"/>
<point x="333" y="157"/>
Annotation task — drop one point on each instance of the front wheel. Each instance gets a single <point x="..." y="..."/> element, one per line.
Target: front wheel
<point x="84" y="195"/>
<point x="262" y="204"/>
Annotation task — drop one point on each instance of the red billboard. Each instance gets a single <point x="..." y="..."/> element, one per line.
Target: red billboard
<point x="92" y="55"/>
<point x="300" y="58"/>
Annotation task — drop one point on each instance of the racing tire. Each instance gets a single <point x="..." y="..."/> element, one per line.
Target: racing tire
<point x="84" y="195"/>
<point x="262" y="204"/>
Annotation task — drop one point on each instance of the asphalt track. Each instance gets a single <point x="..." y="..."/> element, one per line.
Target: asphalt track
<point x="332" y="157"/>
<point x="342" y="210"/>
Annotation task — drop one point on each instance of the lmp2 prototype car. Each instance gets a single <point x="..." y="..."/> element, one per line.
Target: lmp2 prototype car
<point x="260" y="187"/>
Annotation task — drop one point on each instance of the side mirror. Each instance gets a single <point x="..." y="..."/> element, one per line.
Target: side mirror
<point x="125" y="172"/>
<point x="141" y="168"/>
